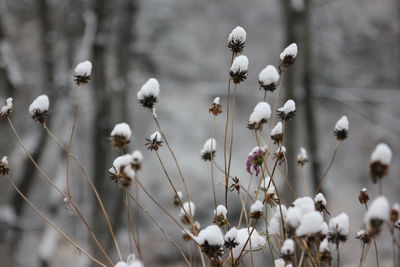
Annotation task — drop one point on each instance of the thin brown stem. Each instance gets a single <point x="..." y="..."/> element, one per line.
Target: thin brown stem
<point x="323" y="177"/>
<point x="131" y="232"/>
<point x="232" y="135"/>
<point x="211" y="163"/>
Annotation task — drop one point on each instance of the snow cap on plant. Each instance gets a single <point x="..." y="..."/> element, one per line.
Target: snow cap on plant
<point x="230" y="238"/>
<point x="320" y="203"/>
<point x="275" y="223"/>
<point x="363" y="197"/>
<point x="211" y="241"/>
<point x="270" y="196"/>
<point x="279" y="154"/>
<point x="254" y="243"/>
<point x="287" y="111"/>
<point x="239" y="69"/>
<point x="178" y="198"/>
<point x="281" y="263"/>
<point x="7" y="108"/>
<point x="148" y="94"/>
<point x="187" y="212"/>
<point x="82" y="72"/>
<point x="268" y="78"/>
<point x="120" y="135"/>
<point x="277" y="133"/>
<point x="378" y="213"/>
<point x="305" y="204"/>
<point x="288" y="56"/>
<point x="209" y="148"/>
<point x="287" y="249"/>
<point x="4" y="168"/>
<point x="363" y="236"/>
<point x="311" y="224"/>
<point x="216" y="107"/>
<point x="302" y="157"/>
<point x="137" y="160"/>
<point x="220" y="215"/>
<point x="237" y="40"/>
<point x="154" y="142"/>
<point x="395" y="213"/>
<point x="324" y="253"/>
<point x="380" y="161"/>
<point x="39" y="108"/>
<point x="257" y="210"/>
<point x="260" y="115"/>
<point x="338" y="228"/>
<point x="342" y="128"/>
<point x="122" y="171"/>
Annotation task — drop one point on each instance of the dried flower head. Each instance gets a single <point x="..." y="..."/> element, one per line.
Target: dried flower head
<point x="380" y="162"/>
<point x="230" y="238"/>
<point x="378" y="213"/>
<point x="209" y="148"/>
<point x="237" y="40"/>
<point x="395" y="213"/>
<point x="288" y="57"/>
<point x="211" y="241"/>
<point x="270" y="196"/>
<point x="338" y="228"/>
<point x="363" y="236"/>
<point x="363" y="197"/>
<point x="268" y="78"/>
<point x="342" y="128"/>
<point x="216" y="107"/>
<point x="220" y="215"/>
<point x="260" y="115"/>
<point x="287" y="250"/>
<point x="302" y="157"/>
<point x="287" y="111"/>
<point x="187" y="212"/>
<point x="7" y="108"/>
<point x="239" y="69"/>
<point x="277" y="133"/>
<point x="178" y="198"/>
<point x="279" y="154"/>
<point x="148" y="94"/>
<point x="324" y="253"/>
<point x="137" y="160"/>
<point x="255" y="160"/>
<point x="82" y="72"/>
<point x="257" y="210"/>
<point x="154" y="143"/>
<point x="122" y="171"/>
<point x="4" y="168"/>
<point x="120" y="135"/>
<point x="320" y="203"/>
<point x="235" y="185"/>
<point x="39" y="109"/>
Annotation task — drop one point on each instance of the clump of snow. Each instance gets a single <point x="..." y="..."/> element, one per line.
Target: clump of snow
<point x="4" y="160"/>
<point x="256" y="241"/>
<point x="277" y="129"/>
<point x="275" y="222"/>
<point x="264" y="185"/>
<point x="378" y="210"/>
<point x="122" y="129"/>
<point x="155" y="137"/>
<point x="324" y="228"/>
<point x="6" y="109"/>
<point x="216" y="100"/>
<point x="231" y="234"/>
<point x="121" y="264"/>
<point x="302" y="156"/>
<point x="342" y="124"/>
<point x="305" y="204"/>
<point x="188" y="208"/>
<point x="382" y="153"/>
<point x="137" y="157"/>
<point x="212" y="234"/>
<point x="150" y="88"/>
<point x="239" y="64"/>
<point x="209" y="146"/>
<point x="311" y="223"/>
<point x="83" y="69"/>
<point x="238" y="34"/>
<point x="268" y="76"/>
<point x="257" y="206"/>
<point x="41" y="104"/>
<point x="120" y="162"/>
<point x="291" y="51"/>
<point x="320" y="198"/>
<point x="293" y="217"/>
<point x="261" y="112"/>
<point x="289" y="106"/>
<point x="287" y="247"/>
<point x="281" y="263"/>
<point x="339" y="224"/>
<point x="324" y="246"/>
<point x="220" y="210"/>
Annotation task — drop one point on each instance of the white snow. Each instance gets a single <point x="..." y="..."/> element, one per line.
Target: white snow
<point x="239" y="64"/>
<point x="237" y="34"/>
<point x="231" y="234"/>
<point x="291" y="50"/>
<point x="342" y="124"/>
<point x="220" y="210"/>
<point x="280" y="149"/>
<point x="288" y="247"/>
<point x="261" y="111"/>
<point x="8" y="106"/>
<point x="242" y="236"/>
<point x="269" y="75"/>
<point x="265" y="183"/>
<point x="281" y="263"/>
<point x="293" y="216"/>
<point x="257" y="206"/>
<point x="302" y="156"/>
<point x="305" y="204"/>
<point x="216" y="100"/>
<point x="339" y="224"/>
<point x="209" y="146"/>
<point x="188" y="208"/>
<point x="324" y="246"/>
<point x="137" y="156"/>
<point x="123" y="163"/>
<point x="320" y="198"/>
<point x="41" y="104"/>
<point x="379" y="210"/>
<point x="310" y="224"/>
<point x="364" y="190"/>
<point x="150" y="88"/>
<point x="289" y="106"/>
<point x="212" y="234"/>
<point x="382" y="153"/>
<point x="324" y="228"/>
<point x="274" y="223"/>
<point x="4" y="160"/>
<point x="83" y="69"/>
<point x="156" y="136"/>
<point x="277" y="129"/>
<point x="122" y="129"/>
<point x="121" y="264"/>
<point x="133" y="262"/>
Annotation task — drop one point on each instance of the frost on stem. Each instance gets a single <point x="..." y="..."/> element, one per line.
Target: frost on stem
<point x="154" y="142"/>
<point x="288" y="57"/>
<point x="209" y="148"/>
<point x="380" y="162"/>
<point x="211" y="241"/>
<point x="378" y="213"/>
<point x="260" y="115"/>
<point x="237" y="40"/>
<point x="137" y="160"/>
<point x="239" y="69"/>
<point x="257" y="210"/>
<point x="220" y="215"/>
<point x="148" y="94"/>
<point x="82" y="72"/>
<point x="216" y="107"/>
<point x="4" y="168"/>
<point x="230" y="238"/>
<point x="277" y="133"/>
<point x="302" y="157"/>
<point x="7" y="108"/>
<point x="122" y="171"/>
<point x="320" y="203"/>
<point x="121" y="135"/>
<point x="338" y="228"/>
<point x="268" y="78"/>
<point x="342" y="128"/>
<point x="255" y="160"/>
<point x="287" y="111"/>
<point x="187" y="212"/>
<point x="39" y="109"/>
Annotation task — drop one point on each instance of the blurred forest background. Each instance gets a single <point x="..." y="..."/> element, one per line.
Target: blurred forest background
<point x="348" y="64"/>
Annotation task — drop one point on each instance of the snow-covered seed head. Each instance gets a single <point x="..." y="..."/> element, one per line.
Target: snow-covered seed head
<point x="137" y="160"/>
<point x="82" y="72"/>
<point x="132" y="261"/>
<point x="277" y="133"/>
<point x="342" y="128"/>
<point x="395" y="213"/>
<point x="288" y="57"/>
<point x="239" y="69"/>
<point x="257" y="210"/>
<point x="7" y="108"/>
<point x="178" y="198"/>
<point x="121" y="264"/>
<point x="154" y="142"/>
<point x="220" y="215"/>
<point x="255" y="241"/>
<point x="378" y="213"/>
<point x="268" y="78"/>
<point x="209" y="148"/>
<point x="287" y="111"/>
<point x="4" y="168"/>
<point x="270" y="196"/>
<point x="120" y="135"/>
<point x="260" y="115"/>
<point x="397" y="225"/>
<point x="216" y="107"/>
<point x="338" y="228"/>
<point x="324" y="253"/>
<point x="211" y="241"/>
<point x="282" y="263"/>
<point x="148" y="94"/>
<point x="320" y="203"/>
<point x="311" y="224"/>
<point x="279" y="154"/>
<point x="39" y="109"/>
<point x="302" y="157"/>
<point x="187" y="212"/>
<point x="237" y="40"/>
<point x="122" y="171"/>
<point x="230" y="238"/>
<point x="363" y="197"/>
<point x="380" y="161"/>
<point x="287" y="249"/>
<point x="363" y="236"/>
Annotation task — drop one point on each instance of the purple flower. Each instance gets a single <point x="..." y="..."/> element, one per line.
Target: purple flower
<point x="255" y="160"/>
